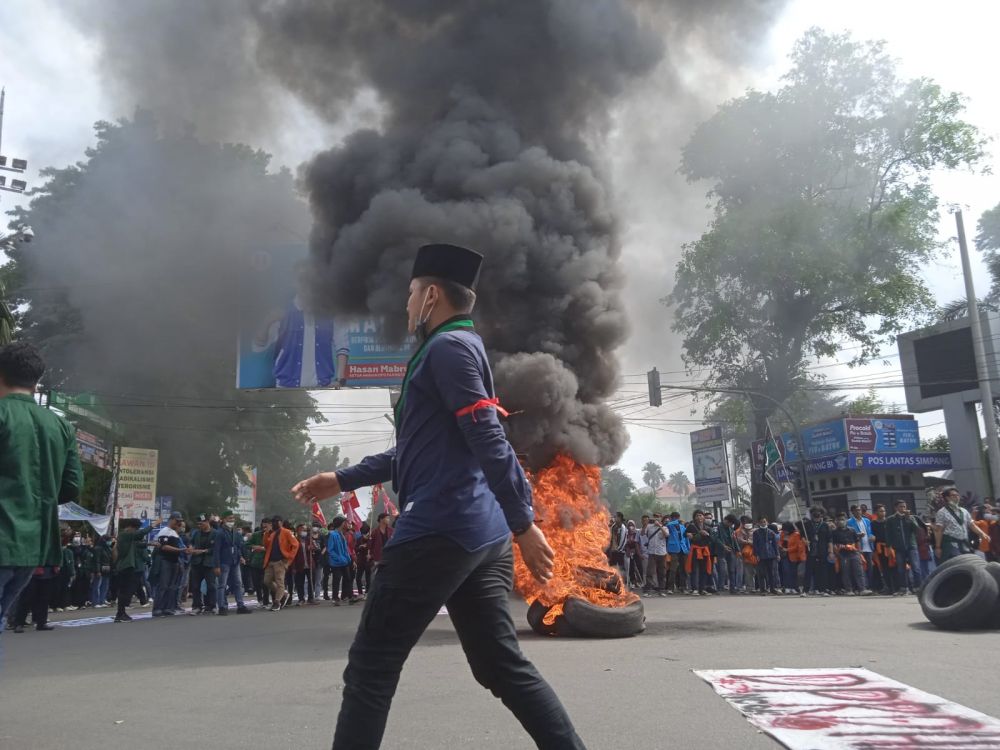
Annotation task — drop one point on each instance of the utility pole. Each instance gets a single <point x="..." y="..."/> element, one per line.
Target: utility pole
<point x="985" y="387"/>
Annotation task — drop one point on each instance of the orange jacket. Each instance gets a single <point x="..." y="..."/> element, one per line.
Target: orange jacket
<point x="984" y="525"/>
<point x="288" y="543"/>
<point x="795" y="545"/>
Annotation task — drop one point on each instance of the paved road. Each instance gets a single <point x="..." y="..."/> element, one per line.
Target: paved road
<point x="273" y="680"/>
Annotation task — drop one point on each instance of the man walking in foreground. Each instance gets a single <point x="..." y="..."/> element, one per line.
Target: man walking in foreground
<point x="39" y="469"/>
<point x="463" y="494"/>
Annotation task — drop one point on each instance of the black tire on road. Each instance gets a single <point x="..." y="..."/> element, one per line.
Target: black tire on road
<point x="593" y="621"/>
<point x="960" y="561"/>
<point x="536" y="612"/>
<point x="960" y="596"/>
<point x="993" y="568"/>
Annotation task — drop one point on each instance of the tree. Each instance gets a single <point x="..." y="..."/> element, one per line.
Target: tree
<point x="616" y="488"/>
<point x="988" y="243"/>
<point x="938" y="444"/>
<point x="653" y="476"/>
<point x="870" y="404"/>
<point x="132" y="287"/>
<point x="823" y="217"/>
<point x="679" y="483"/>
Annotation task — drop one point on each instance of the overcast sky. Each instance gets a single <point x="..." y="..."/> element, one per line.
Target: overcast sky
<point x="55" y="94"/>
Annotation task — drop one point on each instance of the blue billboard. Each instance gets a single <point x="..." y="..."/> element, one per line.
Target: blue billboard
<point x="283" y="343"/>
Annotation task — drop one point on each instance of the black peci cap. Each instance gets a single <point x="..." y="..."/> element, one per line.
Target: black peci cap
<point x="449" y="262"/>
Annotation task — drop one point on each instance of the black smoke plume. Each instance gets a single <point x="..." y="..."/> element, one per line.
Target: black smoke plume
<point x="492" y="117"/>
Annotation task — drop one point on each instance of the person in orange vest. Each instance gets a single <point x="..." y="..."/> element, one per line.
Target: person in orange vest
<point x="792" y="546"/>
<point x="744" y="540"/>
<point x="980" y="520"/>
<point x="846" y="547"/>
<point x="699" y="560"/>
<point x="884" y="557"/>
<point x="280" y="548"/>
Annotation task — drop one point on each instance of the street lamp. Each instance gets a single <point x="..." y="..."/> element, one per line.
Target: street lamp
<point x="17" y="166"/>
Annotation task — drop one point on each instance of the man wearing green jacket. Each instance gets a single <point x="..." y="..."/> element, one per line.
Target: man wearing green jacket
<point x="39" y="468"/>
<point x="129" y="561"/>
<point x="255" y="551"/>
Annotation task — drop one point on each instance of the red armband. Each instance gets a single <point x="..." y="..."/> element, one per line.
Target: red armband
<point x="484" y="403"/>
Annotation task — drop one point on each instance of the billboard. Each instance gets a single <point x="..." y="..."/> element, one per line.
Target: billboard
<point x="855" y="434"/>
<point x="137" y="469"/>
<point x="284" y="344"/>
<point x="711" y="465"/>
<point x="93" y="450"/>
<point x="246" y="495"/>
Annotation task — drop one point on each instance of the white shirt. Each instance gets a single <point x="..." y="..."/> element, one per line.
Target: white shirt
<point x="655" y="539"/>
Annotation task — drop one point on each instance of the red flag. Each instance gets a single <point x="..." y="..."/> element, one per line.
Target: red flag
<point x="387" y="504"/>
<point x="317" y="514"/>
<point x="349" y="505"/>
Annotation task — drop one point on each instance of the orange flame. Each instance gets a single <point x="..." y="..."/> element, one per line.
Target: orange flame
<point x="575" y="523"/>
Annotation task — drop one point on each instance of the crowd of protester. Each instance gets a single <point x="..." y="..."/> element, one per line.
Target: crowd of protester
<point x="176" y="569"/>
<point x="825" y="553"/>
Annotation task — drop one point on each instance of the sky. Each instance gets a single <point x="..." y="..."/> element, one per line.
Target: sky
<point x="55" y="93"/>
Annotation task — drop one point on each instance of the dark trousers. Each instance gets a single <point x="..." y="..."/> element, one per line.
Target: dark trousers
<point x="166" y="586"/>
<point x="816" y="574"/>
<point x="201" y="573"/>
<point x="363" y="578"/>
<point x="127" y="582"/>
<point x="677" y="575"/>
<point x="304" y="585"/>
<point x="765" y="575"/>
<point x="35" y="599"/>
<point x="341" y="582"/>
<point x="412" y="583"/>
<point x="59" y="591"/>
<point x="656" y="573"/>
<point x="262" y="592"/>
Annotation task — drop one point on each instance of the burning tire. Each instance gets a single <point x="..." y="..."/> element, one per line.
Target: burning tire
<point x="581" y="619"/>
<point x="960" y="595"/>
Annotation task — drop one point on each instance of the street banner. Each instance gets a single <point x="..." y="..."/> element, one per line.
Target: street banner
<point x="137" y="483"/>
<point x="849" y="709"/>
<point x="284" y="343"/>
<point x="74" y="512"/>
<point x="246" y="495"/>
<point x="711" y="466"/>
<point x="164" y="506"/>
<point x="841" y="436"/>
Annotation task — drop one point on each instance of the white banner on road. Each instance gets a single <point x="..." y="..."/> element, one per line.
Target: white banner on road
<point x="849" y="709"/>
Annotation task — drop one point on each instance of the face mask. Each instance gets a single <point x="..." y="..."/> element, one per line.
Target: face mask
<point x="841" y="524"/>
<point x="230" y="524"/>
<point x="76" y="541"/>
<point x="303" y="534"/>
<point x="421" y="328"/>
<point x="990" y="516"/>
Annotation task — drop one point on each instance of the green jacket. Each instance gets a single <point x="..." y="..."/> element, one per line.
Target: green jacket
<point x="88" y="560"/>
<point x="39" y="468"/>
<point x="130" y="549"/>
<point x="255" y="559"/>
<point x="203" y="540"/>
<point x="901" y="532"/>
<point x="67" y="568"/>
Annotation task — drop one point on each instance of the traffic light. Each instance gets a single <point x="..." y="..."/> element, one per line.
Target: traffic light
<point x="653" y="376"/>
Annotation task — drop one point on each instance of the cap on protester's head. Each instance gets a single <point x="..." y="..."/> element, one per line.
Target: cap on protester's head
<point x="448" y="262"/>
<point x="176" y="516"/>
<point x="202" y="518"/>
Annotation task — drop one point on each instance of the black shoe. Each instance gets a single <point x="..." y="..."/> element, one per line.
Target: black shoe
<point x="167" y="613"/>
<point x="223" y="612"/>
<point x="243" y="610"/>
<point x="123" y="618"/>
<point x="45" y="627"/>
<point x="19" y="628"/>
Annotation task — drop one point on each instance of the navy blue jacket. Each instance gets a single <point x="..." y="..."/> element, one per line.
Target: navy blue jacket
<point x="455" y="475"/>
<point x="765" y="544"/>
<point x="228" y="548"/>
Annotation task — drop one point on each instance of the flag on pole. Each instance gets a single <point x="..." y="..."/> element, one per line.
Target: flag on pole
<point x="772" y="457"/>
<point x="350" y="505"/>
<point x="379" y="493"/>
<point x="317" y="514"/>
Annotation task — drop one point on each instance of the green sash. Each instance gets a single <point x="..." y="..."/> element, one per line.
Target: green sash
<point x="458" y="324"/>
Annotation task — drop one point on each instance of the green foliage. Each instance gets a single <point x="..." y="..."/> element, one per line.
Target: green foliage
<point x="870" y="404"/>
<point x="132" y="287"/>
<point x="939" y="444"/>
<point x="988" y="243"/>
<point x="823" y="217"/>
<point x="678" y="481"/>
<point x="616" y="488"/>
<point x="653" y="476"/>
